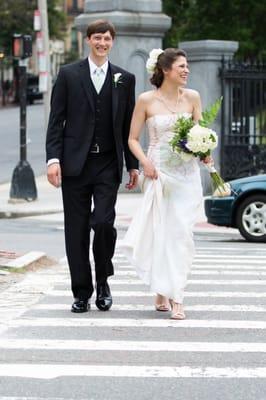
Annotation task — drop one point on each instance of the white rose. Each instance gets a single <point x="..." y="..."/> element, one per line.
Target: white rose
<point x="152" y="60"/>
<point x="201" y="139"/>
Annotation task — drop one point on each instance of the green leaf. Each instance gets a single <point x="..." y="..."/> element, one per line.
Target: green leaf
<point x="210" y="114"/>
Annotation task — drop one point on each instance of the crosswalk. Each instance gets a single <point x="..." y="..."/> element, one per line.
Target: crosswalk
<point x="134" y="350"/>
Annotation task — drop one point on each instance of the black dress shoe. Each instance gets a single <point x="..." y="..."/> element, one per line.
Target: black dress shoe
<point x="80" y="306"/>
<point x="103" y="298"/>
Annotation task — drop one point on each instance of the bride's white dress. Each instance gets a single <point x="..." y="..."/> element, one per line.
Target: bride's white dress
<point x="159" y="241"/>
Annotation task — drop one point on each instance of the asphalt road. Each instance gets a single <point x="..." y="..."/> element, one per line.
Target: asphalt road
<point x="10" y="140"/>
<point x="134" y="352"/>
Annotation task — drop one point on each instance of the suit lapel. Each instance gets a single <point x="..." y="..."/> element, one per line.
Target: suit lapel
<point x="86" y="81"/>
<point x="115" y="93"/>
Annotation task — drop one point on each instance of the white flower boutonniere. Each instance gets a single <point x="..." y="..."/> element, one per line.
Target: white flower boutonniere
<point x="117" y="77"/>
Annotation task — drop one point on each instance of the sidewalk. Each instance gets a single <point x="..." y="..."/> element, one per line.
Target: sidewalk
<point x="50" y="201"/>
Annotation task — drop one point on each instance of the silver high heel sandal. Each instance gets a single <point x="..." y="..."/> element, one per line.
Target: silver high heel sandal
<point x="161" y="306"/>
<point x="179" y="312"/>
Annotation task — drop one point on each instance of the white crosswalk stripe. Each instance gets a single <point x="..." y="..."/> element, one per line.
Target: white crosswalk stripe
<point x="52" y="371"/>
<point x="141" y="307"/>
<point x="118" y="345"/>
<point x="133" y="323"/>
<point x="230" y="301"/>
<point x="143" y="293"/>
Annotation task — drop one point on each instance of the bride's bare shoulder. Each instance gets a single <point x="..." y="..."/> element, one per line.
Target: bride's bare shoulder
<point x="191" y="94"/>
<point x="146" y="97"/>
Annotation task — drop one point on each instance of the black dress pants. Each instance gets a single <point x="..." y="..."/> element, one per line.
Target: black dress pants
<point x="89" y="202"/>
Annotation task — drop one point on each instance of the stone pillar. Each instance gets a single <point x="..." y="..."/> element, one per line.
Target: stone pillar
<point x="140" y="27"/>
<point x="204" y="58"/>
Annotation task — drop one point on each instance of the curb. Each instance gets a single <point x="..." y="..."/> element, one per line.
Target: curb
<point x="21" y="214"/>
<point x="20" y="263"/>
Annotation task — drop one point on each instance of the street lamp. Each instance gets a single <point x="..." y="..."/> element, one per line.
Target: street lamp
<point x="2" y="56"/>
<point x="23" y="185"/>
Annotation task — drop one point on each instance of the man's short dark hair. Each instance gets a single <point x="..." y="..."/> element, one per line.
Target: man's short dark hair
<point x="100" y="26"/>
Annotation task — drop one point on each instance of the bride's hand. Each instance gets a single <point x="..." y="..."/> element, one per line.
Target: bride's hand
<point x="208" y="160"/>
<point x="149" y="170"/>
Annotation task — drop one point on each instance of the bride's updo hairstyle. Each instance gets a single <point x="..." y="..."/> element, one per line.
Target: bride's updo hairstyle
<point x="165" y="62"/>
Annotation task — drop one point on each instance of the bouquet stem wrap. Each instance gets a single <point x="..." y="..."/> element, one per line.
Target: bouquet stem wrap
<point x="220" y="187"/>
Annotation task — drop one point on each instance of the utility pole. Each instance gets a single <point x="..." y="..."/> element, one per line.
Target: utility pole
<point x="45" y="73"/>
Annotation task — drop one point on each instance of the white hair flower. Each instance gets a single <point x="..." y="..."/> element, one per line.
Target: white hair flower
<point x="152" y="60"/>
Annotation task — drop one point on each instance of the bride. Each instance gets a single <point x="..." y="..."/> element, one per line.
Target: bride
<point x="159" y="241"/>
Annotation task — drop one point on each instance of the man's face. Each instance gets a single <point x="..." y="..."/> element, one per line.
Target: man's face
<point x="100" y="44"/>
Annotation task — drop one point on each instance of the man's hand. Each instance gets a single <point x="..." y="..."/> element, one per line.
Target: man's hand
<point x="54" y="174"/>
<point x="133" y="179"/>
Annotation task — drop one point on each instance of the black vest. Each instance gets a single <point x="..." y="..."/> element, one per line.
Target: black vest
<point x="103" y="132"/>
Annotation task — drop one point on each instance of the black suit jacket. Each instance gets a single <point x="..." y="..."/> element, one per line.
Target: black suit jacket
<point x="72" y="117"/>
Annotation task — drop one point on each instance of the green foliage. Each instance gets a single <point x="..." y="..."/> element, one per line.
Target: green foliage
<point x="16" y="16"/>
<point x="239" y="20"/>
<point x="181" y="128"/>
<point x="209" y="115"/>
<point x="71" y="56"/>
<point x="57" y="20"/>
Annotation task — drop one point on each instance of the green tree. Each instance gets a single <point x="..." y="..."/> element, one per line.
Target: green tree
<point x="16" y="16"/>
<point x="239" y="20"/>
<point x="57" y="20"/>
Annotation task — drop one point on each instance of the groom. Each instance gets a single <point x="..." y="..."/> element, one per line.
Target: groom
<point x="91" y="108"/>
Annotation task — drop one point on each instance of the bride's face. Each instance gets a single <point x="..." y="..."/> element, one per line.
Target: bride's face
<point x="179" y="71"/>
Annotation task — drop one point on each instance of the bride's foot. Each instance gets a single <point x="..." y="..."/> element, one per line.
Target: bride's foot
<point x="161" y="303"/>
<point x="177" y="310"/>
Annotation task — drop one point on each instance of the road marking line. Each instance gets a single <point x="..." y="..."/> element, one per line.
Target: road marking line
<point x="141" y="307"/>
<point x="128" y="345"/>
<point x="52" y="371"/>
<point x="245" y="246"/>
<point x="211" y="265"/>
<point x="229" y="256"/>
<point x="133" y="293"/>
<point x="249" y="282"/>
<point x="228" y="262"/>
<point x="198" y="272"/>
<point x="221" y="272"/>
<point x="228" y="267"/>
<point x="134" y="323"/>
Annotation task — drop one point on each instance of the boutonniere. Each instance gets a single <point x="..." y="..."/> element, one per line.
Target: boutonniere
<point x="117" y="77"/>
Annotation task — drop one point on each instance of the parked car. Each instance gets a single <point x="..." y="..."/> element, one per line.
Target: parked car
<point x="33" y="92"/>
<point x="244" y="209"/>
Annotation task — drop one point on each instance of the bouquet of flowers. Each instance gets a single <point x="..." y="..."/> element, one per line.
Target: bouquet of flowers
<point x="197" y="140"/>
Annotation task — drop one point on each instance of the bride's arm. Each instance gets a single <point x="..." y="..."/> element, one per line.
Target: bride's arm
<point x="137" y="122"/>
<point x="197" y="108"/>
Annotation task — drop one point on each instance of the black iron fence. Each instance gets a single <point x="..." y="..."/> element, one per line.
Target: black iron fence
<point x="243" y="140"/>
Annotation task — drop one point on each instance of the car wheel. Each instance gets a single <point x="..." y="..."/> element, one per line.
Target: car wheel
<point x="251" y="218"/>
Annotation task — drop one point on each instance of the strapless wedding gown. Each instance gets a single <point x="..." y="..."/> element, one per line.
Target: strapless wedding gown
<point x="159" y="242"/>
